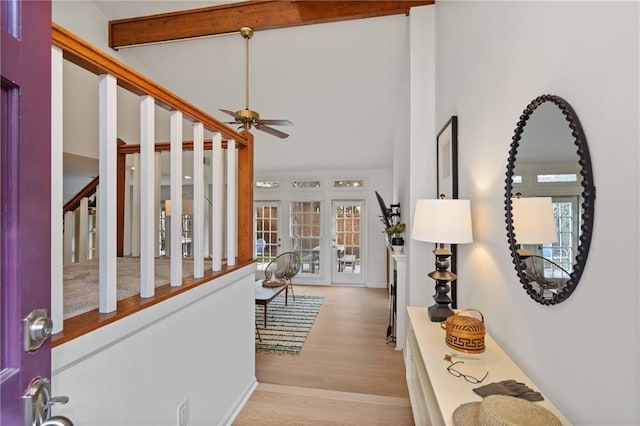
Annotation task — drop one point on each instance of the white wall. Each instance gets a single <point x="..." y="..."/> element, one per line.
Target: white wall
<point x="422" y="146"/>
<point x="198" y="345"/>
<point x="492" y="59"/>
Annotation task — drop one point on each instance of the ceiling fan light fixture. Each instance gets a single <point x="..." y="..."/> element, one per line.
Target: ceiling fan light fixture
<point x="247" y="118"/>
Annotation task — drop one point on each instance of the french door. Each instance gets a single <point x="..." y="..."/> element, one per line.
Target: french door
<point x="347" y="263"/>
<point x="268" y="242"/>
<point x="25" y="200"/>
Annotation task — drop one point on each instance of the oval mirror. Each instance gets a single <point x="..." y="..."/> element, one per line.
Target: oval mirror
<point x="549" y="199"/>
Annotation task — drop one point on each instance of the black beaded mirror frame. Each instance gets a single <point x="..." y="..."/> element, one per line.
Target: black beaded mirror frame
<point x="588" y="196"/>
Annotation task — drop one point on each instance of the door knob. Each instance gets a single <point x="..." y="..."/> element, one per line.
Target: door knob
<point x="57" y="421"/>
<point x="37" y="403"/>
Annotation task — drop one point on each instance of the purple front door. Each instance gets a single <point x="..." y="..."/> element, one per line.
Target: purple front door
<point x="25" y="165"/>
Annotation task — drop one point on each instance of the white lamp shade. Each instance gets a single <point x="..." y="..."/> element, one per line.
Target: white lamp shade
<point x="442" y="221"/>
<point x="533" y="221"/>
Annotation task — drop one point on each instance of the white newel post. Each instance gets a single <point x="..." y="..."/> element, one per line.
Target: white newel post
<point x="127" y="211"/>
<point x="157" y="197"/>
<point x="176" y="199"/>
<point x="147" y="196"/>
<point x="97" y="221"/>
<point x="83" y="230"/>
<point x="232" y="203"/>
<point x="217" y="181"/>
<point x="107" y="214"/>
<point x="57" y="223"/>
<point x="69" y="230"/>
<point x="135" y="204"/>
<point x="206" y="231"/>
<point x="198" y="200"/>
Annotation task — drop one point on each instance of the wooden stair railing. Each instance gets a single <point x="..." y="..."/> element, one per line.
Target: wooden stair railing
<point x="88" y="190"/>
<point x="86" y="56"/>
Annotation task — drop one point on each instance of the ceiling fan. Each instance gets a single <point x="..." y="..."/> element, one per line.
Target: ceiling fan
<point x="247" y="118"/>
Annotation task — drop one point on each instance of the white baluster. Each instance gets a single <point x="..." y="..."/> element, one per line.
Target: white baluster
<point x="217" y="182"/>
<point x="107" y="220"/>
<point x="197" y="238"/>
<point x="176" y="199"/>
<point x="147" y="196"/>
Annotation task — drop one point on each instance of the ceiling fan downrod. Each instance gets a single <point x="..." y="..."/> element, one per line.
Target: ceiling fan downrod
<point x="247" y="33"/>
<point x="246" y="117"/>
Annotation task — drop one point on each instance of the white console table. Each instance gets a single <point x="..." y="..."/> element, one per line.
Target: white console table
<point x="435" y="393"/>
<point x="400" y="278"/>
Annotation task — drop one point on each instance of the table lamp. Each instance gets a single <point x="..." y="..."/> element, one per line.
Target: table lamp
<point x="533" y="222"/>
<point x="442" y="221"/>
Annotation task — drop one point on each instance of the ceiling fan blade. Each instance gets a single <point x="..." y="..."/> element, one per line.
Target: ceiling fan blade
<point x="231" y="113"/>
<point x="276" y="122"/>
<point x="271" y="131"/>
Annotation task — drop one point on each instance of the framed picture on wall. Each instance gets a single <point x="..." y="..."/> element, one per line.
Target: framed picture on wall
<point x="447" y="159"/>
<point x="447" y="181"/>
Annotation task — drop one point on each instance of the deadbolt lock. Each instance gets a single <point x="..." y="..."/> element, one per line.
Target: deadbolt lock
<point x="37" y="329"/>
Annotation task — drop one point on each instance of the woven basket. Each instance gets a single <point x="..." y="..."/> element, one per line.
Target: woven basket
<point x="272" y="284"/>
<point x="465" y="333"/>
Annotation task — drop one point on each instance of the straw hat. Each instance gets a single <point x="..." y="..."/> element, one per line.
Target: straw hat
<point x="501" y="410"/>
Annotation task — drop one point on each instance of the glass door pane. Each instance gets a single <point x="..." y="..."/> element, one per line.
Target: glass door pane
<point x="565" y="211"/>
<point x="347" y="242"/>
<point x="305" y="234"/>
<point x="267" y="236"/>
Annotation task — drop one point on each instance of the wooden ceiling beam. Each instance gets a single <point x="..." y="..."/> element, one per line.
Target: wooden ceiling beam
<point x="257" y="14"/>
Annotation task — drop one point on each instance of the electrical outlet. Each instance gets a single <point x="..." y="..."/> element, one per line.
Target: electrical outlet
<point x="183" y="413"/>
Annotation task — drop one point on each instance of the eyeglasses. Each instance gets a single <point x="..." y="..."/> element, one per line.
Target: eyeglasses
<point x="468" y="378"/>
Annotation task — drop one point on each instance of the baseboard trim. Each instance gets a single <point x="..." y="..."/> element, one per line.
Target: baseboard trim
<point x="235" y="409"/>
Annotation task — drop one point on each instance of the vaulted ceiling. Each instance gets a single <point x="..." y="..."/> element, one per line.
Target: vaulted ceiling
<point x="342" y="83"/>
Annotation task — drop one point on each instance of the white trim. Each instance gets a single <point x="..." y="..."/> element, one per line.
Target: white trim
<point x="239" y="404"/>
<point x="69" y="230"/>
<point x="82" y="236"/>
<point x="147" y="196"/>
<point x="232" y="202"/>
<point x="57" y="223"/>
<point x="135" y="202"/>
<point x="198" y="200"/>
<point x="126" y="247"/>
<point x="176" y="199"/>
<point x="217" y="177"/>
<point x="107" y="221"/>
<point x="157" y="196"/>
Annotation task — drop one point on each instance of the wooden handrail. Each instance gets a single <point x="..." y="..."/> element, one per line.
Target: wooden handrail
<point x="88" y="190"/>
<point x="166" y="146"/>
<point x="92" y="59"/>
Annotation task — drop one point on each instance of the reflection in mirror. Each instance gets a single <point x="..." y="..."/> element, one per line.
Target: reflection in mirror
<point x="549" y="199"/>
<point x="534" y="224"/>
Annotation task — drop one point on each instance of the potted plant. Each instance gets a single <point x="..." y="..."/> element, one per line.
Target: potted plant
<point x="395" y="233"/>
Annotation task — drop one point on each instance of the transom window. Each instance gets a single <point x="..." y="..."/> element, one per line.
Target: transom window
<point x="267" y="184"/>
<point x="348" y="183"/>
<point x="305" y="184"/>
<point x="554" y="178"/>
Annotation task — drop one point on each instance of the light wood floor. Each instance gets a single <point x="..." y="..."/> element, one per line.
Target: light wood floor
<point x="345" y="374"/>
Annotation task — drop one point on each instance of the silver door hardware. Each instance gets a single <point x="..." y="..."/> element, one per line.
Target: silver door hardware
<point x="57" y="421"/>
<point x="37" y="329"/>
<point x="37" y="403"/>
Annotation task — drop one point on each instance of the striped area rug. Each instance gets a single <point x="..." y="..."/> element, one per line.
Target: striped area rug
<point x="287" y="326"/>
